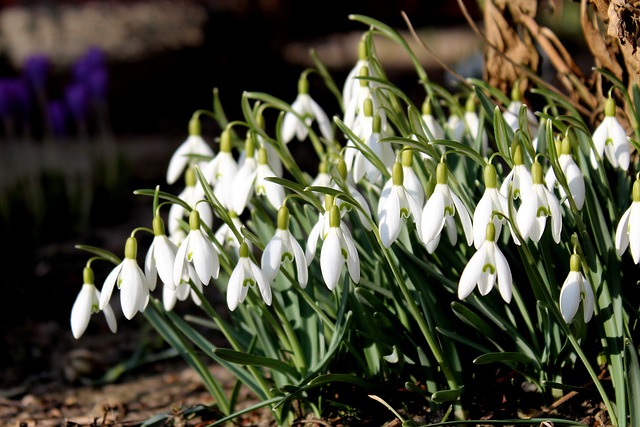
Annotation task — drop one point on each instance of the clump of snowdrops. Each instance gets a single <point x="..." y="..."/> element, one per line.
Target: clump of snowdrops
<point x="378" y="266"/>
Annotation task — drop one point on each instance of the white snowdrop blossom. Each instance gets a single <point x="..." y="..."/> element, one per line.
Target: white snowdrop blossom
<point x="432" y="128"/>
<point x="191" y="195"/>
<point x="352" y="83"/>
<point x="611" y="138"/>
<point x="572" y="173"/>
<point x="395" y="204"/>
<point x="473" y="123"/>
<point x="161" y="256"/>
<point x="221" y="170"/>
<point x="517" y="183"/>
<point x="225" y="235"/>
<point x="304" y="111"/>
<point x="383" y="151"/>
<point x="512" y="115"/>
<point x="284" y="247"/>
<point x="536" y="207"/>
<point x="439" y="213"/>
<point x="194" y="150"/>
<point x="133" y="284"/>
<point x="272" y="191"/>
<point x="628" y="230"/>
<point x="345" y="185"/>
<point x="492" y="207"/>
<point x="363" y="129"/>
<point x="243" y="182"/>
<point x="320" y="229"/>
<point x="171" y="295"/>
<point x="246" y="274"/>
<point x="576" y="289"/>
<point x="86" y="304"/>
<point x="487" y="267"/>
<point x="337" y="249"/>
<point x="196" y="249"/>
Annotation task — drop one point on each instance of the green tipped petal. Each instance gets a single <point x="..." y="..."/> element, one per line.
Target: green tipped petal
<point x="490" y="176"/>
<point x="131" y="248"/>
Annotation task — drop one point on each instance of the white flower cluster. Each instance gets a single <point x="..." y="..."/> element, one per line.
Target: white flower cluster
<point x="188" y="257"/>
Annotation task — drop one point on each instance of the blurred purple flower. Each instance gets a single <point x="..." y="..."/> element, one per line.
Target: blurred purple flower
<point x="57" y="113"/>
<point x="77" y="99"/>
<point x="90" y="70"/>
<point x="14" y="98"/>
<point x="36" y="70"/>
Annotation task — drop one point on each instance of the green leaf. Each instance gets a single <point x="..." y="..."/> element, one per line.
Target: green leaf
<point x="255" y="360"/>
<point x="633" y="380"/>
<point x="443" y="396"/>
<point x="503" y="357"/>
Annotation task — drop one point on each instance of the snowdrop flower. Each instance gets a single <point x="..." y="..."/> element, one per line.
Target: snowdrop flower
<point x="322" y="179"/>
<point x="243" y="182"/>
<point x="196" y="249"/>
<point x="304" y="111"/>
<point x="512" y="115"/>
<point x="221" y="170"/>
<point x="411" y="182"/>
<point x="575" y="289"/>
<point x="191" y="195"/>
<point x="628" y="230"/>
<point x="284" y="247"/>
<point x="539" y="204"/>
<point x="244" y="275"/>
<point x="338" y="248"/>
<point x="439" y="213"/>
<point x="86" y="304"/>
<point x="395" y="204"/>
<point x="351" y="83"/>
<point x="365" y="214"/>
<point x="472" y="120"/>
<point x="492" y="207"/>
<point x="383" y="151"/>
<point x="225" y="235"/>
<point x="611" y="138"/>
<point x="353" y="157"/>
<point x="572" y="173"/>
<point x="320" y="229"/>
<point x="518" y="182"/>
<point x="272" y="191"/>
<point x="432" y="128"/>
<point x="161" y="256"/>
<point x="133" y="284"/>
<point x="487" y="267"/>
<point x="192" y="151"/>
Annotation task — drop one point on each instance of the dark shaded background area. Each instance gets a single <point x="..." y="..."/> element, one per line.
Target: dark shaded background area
<point x="150" y="102"/>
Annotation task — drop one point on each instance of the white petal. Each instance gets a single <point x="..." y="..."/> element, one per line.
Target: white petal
<point x="588" y="301"/>
<point x="331" y="259"/>
<point x="390" y="220"/>
<point x="599" y="141"/>
<point x="432" y="219"/>
<point x="526" y="217"/>
<point x="181" y="257"/>
<point x="622" y="232"/>
<point x="575" y="180"/>
<point x="481" y="217"/>
<point x="323" y="121"/>
<point x="165" y="258"/>
<point x="272" y="257"/>
<point x="465" y="218"/>
<point x="133" y="292"/>
<point x="556" y="215"/>
<point x="243" y="186"/>
<point x="107" y="287"/>
<point x="353" y="260"/>
<point x="471" y="273"/>
<point x="505" y="280"/>
<point x="234" y="287"/>
<point x="81" y="310"/>
<point x="150" y="265"/>
<point x="570" y="297"/>
<point x="203" y="256"/>
<point x="312" y="240"/>
<point x="263" y="284"/>
<point x="301" y="262"/>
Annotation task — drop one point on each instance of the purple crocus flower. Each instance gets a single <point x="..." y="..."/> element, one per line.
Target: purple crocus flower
<point x="36" y="70"/>
<point x="57" y="113"/>
<point x="77" y="99"/>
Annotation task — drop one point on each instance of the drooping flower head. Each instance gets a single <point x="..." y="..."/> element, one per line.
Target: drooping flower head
<point x="628" y="230"/>
<point x="161" y="256"/>
<point x="221" y="170"/>
<point x="395" y="204"/>
<point x="193" y="151"/>
<point x="383" y="151"/>
<point x="88" y="303"/>
<point x="304" y="111"/>
<point x="345" y="184"/>
<point x="517" y="183"/>
<point x="487" y="267"/>
<point x="196" y="249"/>
<point x="576" y="289"/>
<point x="572" y="173"/>
<point x="129" y="278"/>
<point x="337" y="249"/>
<point x="491" y="207"/>
<point x="439" y="213"/>
<point x="611" y="138"/>
<point x="432" y="128"/>
<point x="284" y="247"/>
<point x="512" y="115"/>
<point x="246" y="274"/>
<point x="536" y="207"/>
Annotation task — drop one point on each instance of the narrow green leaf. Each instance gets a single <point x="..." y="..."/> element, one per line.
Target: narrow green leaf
<point x="503" y="357"/>
<point x="443" y="396"/>
<point x="633" y="380"/>
<point x="255" y="360"/>
<point x="102" y="253"/>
